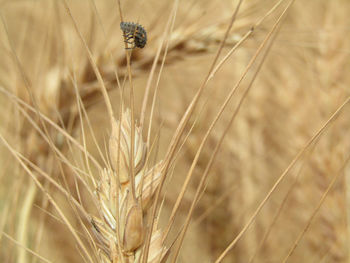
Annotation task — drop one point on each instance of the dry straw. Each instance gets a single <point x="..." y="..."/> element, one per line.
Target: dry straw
<point x="121" y="220"/>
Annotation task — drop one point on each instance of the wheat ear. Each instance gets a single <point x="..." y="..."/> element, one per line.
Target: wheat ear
<point x="120" y="229"/>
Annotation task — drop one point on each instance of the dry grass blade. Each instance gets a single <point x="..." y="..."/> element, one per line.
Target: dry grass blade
<point x="25" y="248"/>
<point x="49" y="121"/>
<point x="68" y="224"/>
<point x="161" y="149"/>
<point x="204" y="177"/>
<point x="186" y="116"/>
<point x="275" y="217"/>
<point x="93" y="64"/>
<point x="317" y="208"/>
<point x="285" y="173"/>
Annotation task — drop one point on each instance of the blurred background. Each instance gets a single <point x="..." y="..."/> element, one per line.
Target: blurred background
<point x="303" y="81"/>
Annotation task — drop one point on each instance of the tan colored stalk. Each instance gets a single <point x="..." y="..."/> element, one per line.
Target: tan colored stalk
<point x="52" y="201"/>
<point x="93" y="64"/>
<point x="24" y="219"/>
<point x="190" y="172"/>
<point x="279" y="180"/>
<point x="208" y="167"/>
<point x="24" y="248"/>
<point x="179" y="131"/>
<point x="317" y="208"/>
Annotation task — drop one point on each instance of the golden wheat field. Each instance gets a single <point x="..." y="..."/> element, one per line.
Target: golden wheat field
<point x="226" y="138"/>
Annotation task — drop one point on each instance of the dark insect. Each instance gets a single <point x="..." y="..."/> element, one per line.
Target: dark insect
<point x="134" y="34"/>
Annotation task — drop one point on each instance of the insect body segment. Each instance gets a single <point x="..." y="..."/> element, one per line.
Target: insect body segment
<point x="134" y="34"/>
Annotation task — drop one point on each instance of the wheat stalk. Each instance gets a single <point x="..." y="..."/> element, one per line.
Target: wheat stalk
<point x="125" y="228"/>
